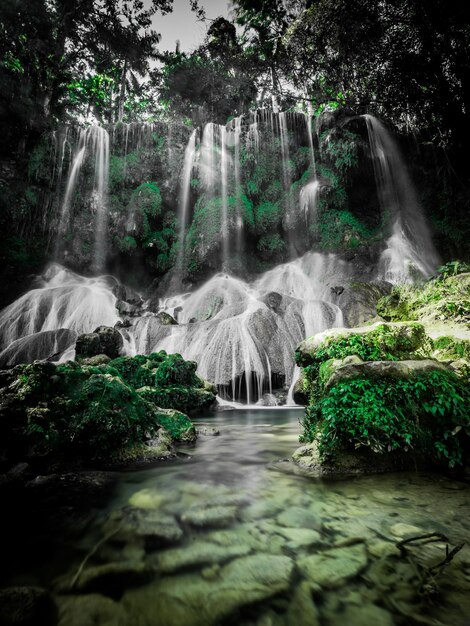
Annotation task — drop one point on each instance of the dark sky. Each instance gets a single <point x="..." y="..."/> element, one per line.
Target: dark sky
<point x="182" y="24"/>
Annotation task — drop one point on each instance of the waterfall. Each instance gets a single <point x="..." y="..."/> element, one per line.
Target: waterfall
<point x="237" y="129"/>
<point x="100" y="195"/>
<point x="207" y="170"/>
<point x="75" y="167"/>
<point x="185" y="191"/>
<point x="308" y="123"/>
<point x="409" y="248"/>
<point x="224" y="189"/>
<point x="308" y="199"/>
<point x="93" y="141"/>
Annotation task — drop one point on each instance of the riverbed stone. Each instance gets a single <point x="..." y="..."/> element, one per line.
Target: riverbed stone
<point x="333" y="568"/>
<point x="147" y="499"/>
<point x="403" y="531"/>
<point x="195" y="554"/>
<point x="26" y="606"/>
<point x="302" y="609"/>
<point x="212" y="517"/>
<point x="91" y="609"/>
<point x="190" y="600"/>
<point x="362" y="615"/>
<point x="298" y="538"/>
<point x="109" y="579"/>
<point x="153" y="527"/>
<point x="208" y="431"/>
<point x="297" y="517"/>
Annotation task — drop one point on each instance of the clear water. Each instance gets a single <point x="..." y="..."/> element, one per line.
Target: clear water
<point x="261" y="545"/>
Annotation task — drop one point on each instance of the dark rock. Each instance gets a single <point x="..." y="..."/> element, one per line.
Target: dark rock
<point x="87" y="345"/>
<point x="26" y="606"/>
<point x="109" y="579"/>
<point x="358" y="300"/>
<point x="104" y="340"/>
<point x="125" y="308"/>
<point x="126" y="323"/>
<point x="74" y="488"/>
<point x="166" y="319"/>
<point x="273" y="300"/>
<point x="111" y="341"/>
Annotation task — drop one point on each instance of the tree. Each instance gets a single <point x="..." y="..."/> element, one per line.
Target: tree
<point x="51" y="49"/>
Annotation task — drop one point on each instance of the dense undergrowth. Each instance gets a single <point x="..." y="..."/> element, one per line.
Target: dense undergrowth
<point x="391" y="387"/>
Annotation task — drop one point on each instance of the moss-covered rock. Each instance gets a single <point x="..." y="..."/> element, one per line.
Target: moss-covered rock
<point x="379" y="341"/>
<point x="99" y="410"/>
<point x="374" y="391"/>
<point x="442" y="299"/>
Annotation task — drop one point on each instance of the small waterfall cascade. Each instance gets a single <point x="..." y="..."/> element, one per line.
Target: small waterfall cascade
<point x="100" y="196"/>
<point x="62" y="299"/>
<point x="185" y="192"/>
<point x="308" y="201"/>
<point x="409" y="248"/>
<point x="92" y="143"/>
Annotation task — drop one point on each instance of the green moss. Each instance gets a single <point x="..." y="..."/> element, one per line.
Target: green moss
<point x="450" y="348"/>
<point x="428" y="414"/>
<point x="271" y="246"/>
<point x="268" y="217"/>
<point x="98" y="411"/>
<point x="341" y="230"/>
<point x="381" y="343"/>
<point x="438" y="299"/>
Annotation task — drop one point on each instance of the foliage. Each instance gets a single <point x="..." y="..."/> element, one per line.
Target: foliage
<point x="441" y="299"/>
<point x="342" y="230"/>
<point x="427" y="414"/>
<point x="452" y="268"/>
<point x="268" y="216"/>
<point x="98" y="411"/>
<point x="272" y="247"/>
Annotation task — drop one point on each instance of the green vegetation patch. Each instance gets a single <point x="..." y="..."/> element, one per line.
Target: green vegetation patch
<point x="98" y="412"/>
<point x="428" y="414"/>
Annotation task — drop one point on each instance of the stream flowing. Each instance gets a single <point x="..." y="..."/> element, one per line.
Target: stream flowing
<point x="229" y="534"/>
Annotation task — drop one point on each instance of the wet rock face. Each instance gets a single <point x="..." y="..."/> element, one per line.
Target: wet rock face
<point x="358" y="300"/>
<point x="48" y="344"/>
<point x="104" y="340"/>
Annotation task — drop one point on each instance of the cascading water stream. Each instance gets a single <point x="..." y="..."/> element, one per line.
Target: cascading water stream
<point x="409" y="246"/>
<point x="184" y="195"/>
<point x="100" y="194"/>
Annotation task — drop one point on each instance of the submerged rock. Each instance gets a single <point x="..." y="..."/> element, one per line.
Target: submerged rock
<point x="155" y="528"/>
<point x="333" y="568"/>
<point x="91" y="609"/>
<point x="196" y="554"/>
<point x="211" y="517"/>
<point x="109" y="579"/>
<point x="191" y="600"/>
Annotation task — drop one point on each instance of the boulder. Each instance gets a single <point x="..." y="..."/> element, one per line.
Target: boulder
<point x="333" y="568"/>
<point x="156" y="529"/>
<point x="91" y="609"/>
<point x="381" y="369"/>
<point x="396" y="339"/>
<point x="104" y="340"/>
<point x="166" y="319"/>
<point x="358" y="300"/>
